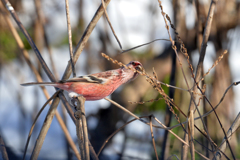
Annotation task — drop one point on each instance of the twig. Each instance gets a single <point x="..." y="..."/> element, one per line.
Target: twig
<point x="108" y="20"/>
<point x="191" y="133"/>
<point x="153" y="141"/>
<point x="70" y="38"/>
<point x="81" y="127"/>
<point x="125" y="110"/>
<point x="151" y="100"/>
<point x="115" y="132"/>
<point x="232" y="129"/>
<point x="129" y="112"/>
<point x="144" y="44"/>
<point x="174" y="155"/>
<point x="68" y="136"/>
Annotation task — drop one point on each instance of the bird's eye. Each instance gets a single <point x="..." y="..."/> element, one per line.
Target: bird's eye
<point x="133" y="63"/>
<point x="139" y="68"/>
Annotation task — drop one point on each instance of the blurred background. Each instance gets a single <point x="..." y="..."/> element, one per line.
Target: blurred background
<point x="135" y="22"/>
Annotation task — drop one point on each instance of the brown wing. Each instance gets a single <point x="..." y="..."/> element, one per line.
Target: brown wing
<point x="85" y="79"/>
<point x="100" y="78"/>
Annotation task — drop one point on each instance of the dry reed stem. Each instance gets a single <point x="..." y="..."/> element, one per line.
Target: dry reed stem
<point x="68" y="137"/>
<point x="81" y="127"/>
<point x="191" y="134"/>
<point x="70" y="38"/>
<point x="153" y="141"/>
<point x="214" y="64"/>
<point x="151" y="100"/>
<point x="129" y="112"/>
<point x="108" y="20"/>
<point x="182" y="46"/>
<point x="115" y="132"/>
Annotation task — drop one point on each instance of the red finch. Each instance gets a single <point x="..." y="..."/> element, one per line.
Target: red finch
<point x="96" y="86"/>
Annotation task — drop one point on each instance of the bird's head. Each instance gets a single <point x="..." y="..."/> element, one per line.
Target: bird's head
<point x="135" y="65"/>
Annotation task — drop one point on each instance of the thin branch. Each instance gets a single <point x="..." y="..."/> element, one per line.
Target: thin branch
<point x="115" y="132"/>
<point x="70" y="38"/>
<point x="153" y="141"/>
<point x="141" y="45"/>
<point x="191" y="134"/>
<point x="68" y="136"/>
<point x="81" y="127"/>
<point x="108" y="20"/>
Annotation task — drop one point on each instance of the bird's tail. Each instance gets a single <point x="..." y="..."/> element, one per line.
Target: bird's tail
<point x="39" y="84"/>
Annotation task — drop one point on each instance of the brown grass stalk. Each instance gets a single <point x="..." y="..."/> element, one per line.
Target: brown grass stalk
<point x="110" y="24"/>
<point x="70" y="38"/>
<point x="81" y="127"/>
<point x="152" y="135"/>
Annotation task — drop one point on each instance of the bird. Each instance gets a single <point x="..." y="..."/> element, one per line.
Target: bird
<point x="98" y="85"/>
